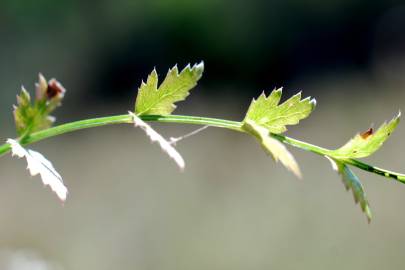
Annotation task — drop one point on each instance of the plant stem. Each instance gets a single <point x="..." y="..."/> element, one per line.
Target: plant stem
<point x="195" y="120"/>
<point x="119" y="119"/>
<point x="351" y="161"/>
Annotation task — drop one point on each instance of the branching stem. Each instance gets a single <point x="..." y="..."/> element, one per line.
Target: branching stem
<point x="195" y="120"/>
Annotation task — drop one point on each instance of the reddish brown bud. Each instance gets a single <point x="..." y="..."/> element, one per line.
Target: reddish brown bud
<point x="367" y="133"/>
<point x="54" y="89"/>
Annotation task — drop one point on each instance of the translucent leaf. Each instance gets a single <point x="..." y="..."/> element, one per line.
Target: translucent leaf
<point x="352" y="182"/>
<point x="363" y="145"/>
<point x="38" y="164"/>
<point x="175" y="87"/>
<point x="34" y="116"/>
<point x="266" y="111"/>
<point x="156" y="137"/>
<point x="272" y="146"/>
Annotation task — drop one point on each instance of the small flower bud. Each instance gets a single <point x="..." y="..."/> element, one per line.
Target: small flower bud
<point x="55" y="89"/>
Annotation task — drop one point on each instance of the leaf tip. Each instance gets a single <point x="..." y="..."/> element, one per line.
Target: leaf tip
<point x="199" y="66"/>
<point x="368" y="213"/>
<point x="153" y="73"/>
<point x="175" y="69"/>
<point x="313" y="102"/>
<point x="295" y="169"/>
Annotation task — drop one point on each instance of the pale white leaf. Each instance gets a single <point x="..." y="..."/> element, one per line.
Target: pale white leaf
<point x="156" y="137"/>
<point x="272" y="146"/>
<point x="280" y="153"/>
<point x="38" y="164"/>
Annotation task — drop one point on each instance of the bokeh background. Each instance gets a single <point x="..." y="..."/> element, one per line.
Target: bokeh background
<point x="233" y="207"/>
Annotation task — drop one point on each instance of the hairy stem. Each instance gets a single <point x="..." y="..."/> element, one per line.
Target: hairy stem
<point x="195" y="120"/>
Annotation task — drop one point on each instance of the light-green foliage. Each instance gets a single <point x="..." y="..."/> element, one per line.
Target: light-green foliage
<point x="175" y="87"/>
<point x="265" y="120"/>
<point x="267" y="112"/>
<point x="363" y="146"/>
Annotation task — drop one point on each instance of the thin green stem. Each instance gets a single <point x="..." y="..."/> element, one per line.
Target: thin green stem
<point x="4" y="148"/>
<point x="195" y="120"/>
<point x="120" y="119"/>
<point x="302" y="145"/>
<point x="370" y="168"/>
<point x="354" y="162"/>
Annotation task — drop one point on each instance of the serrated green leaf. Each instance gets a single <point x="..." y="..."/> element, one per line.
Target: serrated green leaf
<point x="266" y="111"/>
<point x="175" y="87"/>
<point x="34" y="116"/>
<point x="272" y="146"/>
<point x="363" y="146"/>
<point x="352" y="182"/>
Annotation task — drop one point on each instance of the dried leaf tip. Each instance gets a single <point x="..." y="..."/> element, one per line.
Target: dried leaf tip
<point x="367" y="133"/>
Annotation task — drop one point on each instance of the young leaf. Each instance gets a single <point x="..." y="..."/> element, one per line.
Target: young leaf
<point x="160" y="100"/>
<point x="275" y="148"/>
<point x="156" y="137"/>
<point x="363" y="145"/>
<point x="38" y="164"/>
<point x="266" y="112"/>
<point x="351" y="181"/>
<point x="34" y="117"/>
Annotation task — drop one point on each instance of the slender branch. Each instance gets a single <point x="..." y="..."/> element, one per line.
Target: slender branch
<point x="195" y="120"/>
<point x="120" y="119"/>
<point x="369" y="168"/>
<point x="351" y="161"/>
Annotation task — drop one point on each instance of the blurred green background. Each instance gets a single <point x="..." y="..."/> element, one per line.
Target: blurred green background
<point x="233" y="207"/>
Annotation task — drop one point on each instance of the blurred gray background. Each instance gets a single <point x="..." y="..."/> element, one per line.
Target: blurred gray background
<point x="233" y="207"/>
